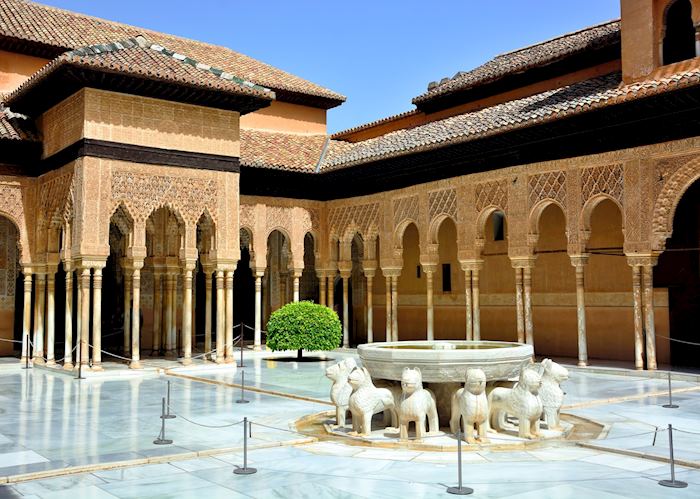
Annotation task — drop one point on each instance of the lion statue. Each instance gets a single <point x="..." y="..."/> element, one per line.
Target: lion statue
<point x="470" y="407"/>
<point x="551" y="394"/>
<point x="521" y="401"/>
<point x="416" y="405"/>
<point x="341" y="389"/>
<point x="367" y="400"/>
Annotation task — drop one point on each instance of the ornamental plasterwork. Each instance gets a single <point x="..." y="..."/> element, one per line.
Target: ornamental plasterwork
<point x="443" y="202"/>
<point x="363" y="216"/>
<point x="493" y="193"/>
<point x="54" y="195"/>
<point x="608" y="179"/>
<point x="247" y="215"/>
<point x="406" y="209"/>
<point x="668" y="198"/>
<point x="550" y="185"/>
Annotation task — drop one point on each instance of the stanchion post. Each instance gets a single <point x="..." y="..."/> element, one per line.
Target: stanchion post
<point x="245" y="470"/>
<point x="167" y="414"/>
<point x="673" y="483"/>
<point x="670" y="404"/>
<point x="27" y="353"/>
<point x="240" y="343"/>
<point x="161" y="440"/>
<point x="80" y="360"/>
<point x="459" y="490"/>
<point x="242" y="400"/>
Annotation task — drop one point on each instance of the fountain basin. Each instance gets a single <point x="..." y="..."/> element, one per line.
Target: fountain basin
<point x="440" y="363"/>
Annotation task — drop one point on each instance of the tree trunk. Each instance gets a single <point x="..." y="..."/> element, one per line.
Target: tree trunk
<point x="299" y="354"/>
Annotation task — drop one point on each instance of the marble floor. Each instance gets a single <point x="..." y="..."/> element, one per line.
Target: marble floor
<point x="50" y="423"/>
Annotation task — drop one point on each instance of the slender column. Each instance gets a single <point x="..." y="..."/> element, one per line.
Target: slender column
<point x="39" y="305"/>
<point x="429" y="301"/>
<point x="649" y="316"/>
<point x="173" y="304"/>
<point x="388" y="336"/>
<point x="527" y="305"/>
<point x="468" y="303"/>
<point x="519" y="313"/>
<point x="50" y="318"/>
<point x="187" y="317"/>
<point x="370" y="313"/>
<point x="322" y="289"/>
<point x="127" y="311"/>
<point x="27" y="315"/>
<point x="476" y="311"/>
<point x="68" y="321"/>
<point x="395" y="307"/>
<point x="97" y="319"/>
<point x="638" y="321"/>
<point x="346" y="321"/>
<point x="331" y="290"/>
<point x="296" y="286"/>
<point x="581" y="312"/>
<point x="229" y="317"/>
<point x="157" y="312"/>
<point x="168" y="337"/>
<point x="84" y="315"/>
<point x="207" y="310"/>
<point x="220" y="316"/>
<point x="257" y="341"/>
<point x="135" y="322"/>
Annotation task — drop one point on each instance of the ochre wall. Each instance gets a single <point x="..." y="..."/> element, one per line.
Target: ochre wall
<point x="17" y="68"/>
<point x="128" y="119"/>
<point x="8" y="275"/>
<point x="285" y="117"/>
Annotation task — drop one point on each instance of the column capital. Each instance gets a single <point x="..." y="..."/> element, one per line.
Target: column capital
<point x="471" y="264"/>
<point x="580" y="260"/>
<point x="642" y="260"/>
<point x="391" y="271"/>
<point x="345" y="266"/>
<point x="522" y="262"/>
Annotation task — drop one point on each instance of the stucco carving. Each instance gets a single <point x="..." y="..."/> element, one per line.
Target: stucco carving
<point x="668" y="198"/>
<point x="364" y="216"/>
<point x="550" y="185"/>
<point x="443" y="202"/>
<point x="608" y="179"/>
<point x="406" y="208"/>
<point x="493" y="193"/>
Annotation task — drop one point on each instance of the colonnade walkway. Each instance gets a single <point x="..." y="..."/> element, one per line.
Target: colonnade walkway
<point x="61" y="437"/>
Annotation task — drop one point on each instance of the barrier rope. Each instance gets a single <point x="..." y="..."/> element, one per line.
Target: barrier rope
<point x="171" y="411"/>
<point x="685" y="431"/>
<point x="11" y="341"/>
<point x="678" y="341"/>
<point x="277" y="429"/>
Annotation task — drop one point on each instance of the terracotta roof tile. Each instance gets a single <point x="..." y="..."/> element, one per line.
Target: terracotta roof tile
<point x="16" y="127"/>
<point x="33" y="22"/>
<point x="281" y="151"/>
<point x="548" y="106"/>
<point x="523" y="59"/>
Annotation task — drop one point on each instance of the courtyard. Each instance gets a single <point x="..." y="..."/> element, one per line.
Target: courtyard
<point x="62" y="437"/>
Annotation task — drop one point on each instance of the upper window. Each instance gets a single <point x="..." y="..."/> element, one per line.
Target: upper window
<point x="679" y="33"/>
<point x="499" y="229"/>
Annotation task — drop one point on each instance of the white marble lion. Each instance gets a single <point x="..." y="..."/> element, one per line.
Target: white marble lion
<point x="470" y="406"/>
<point x="367" y="400"/>
<point x="521" y="401"/>
<point x="341" y="389"/>
<point x="416" y="405"/>
<point x="551" y="394"/>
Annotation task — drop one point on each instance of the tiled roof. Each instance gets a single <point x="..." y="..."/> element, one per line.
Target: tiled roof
<point x="16" y="127"/>
<point x="374" y="123"/>
<point x="281" y="151"/>
<point x="137" y="57"/>
<point x="545" y="107"/>
<point x="32" y="22"/>
<point x="526" y="58"/>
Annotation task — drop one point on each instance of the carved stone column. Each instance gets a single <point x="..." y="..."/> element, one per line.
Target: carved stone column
<point x="51" y="317"/>
<point x="395" y="307"/>
<point x="638" y="319"/>
<point x="157" y="312"/>
<point x="173" y="332"/>
<point x="229" y="317"/>
<point x="322" y="288"/>
<point x="26" y="315"/>
<point x="220" y="317"/>
<point x="331" y="290"/>
<point x="527" y="305"/>
<point x="187" y="314"/>
<point x="128" y="277"/>
<point x="579" y="263"/>
<point x="296" y="276"/>
<point x="370" y="314"/>
<point x="169" y="316"/>
<point x="429" y="270"/>
<point x="519" y="309"/>
<point x="68" y="319"/>
<point x="39" y="304"/>
<point x="345" y="268"/>
<point x="97" y="319"/>
<point x="476" y="307"/>
<point x="648" y="286"/>
<point x="388" y="334"/>
<point x="207" y="309"/>
<point x="84" y="315"/>
<point x="257" y="340"/>
<point x="135" y="316"/>
<point x="468" y="304"/>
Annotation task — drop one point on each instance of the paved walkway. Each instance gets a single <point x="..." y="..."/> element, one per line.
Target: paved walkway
<point x="49" y="423"/>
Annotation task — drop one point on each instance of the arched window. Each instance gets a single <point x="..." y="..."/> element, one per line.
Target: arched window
<point x="679" y="37"/>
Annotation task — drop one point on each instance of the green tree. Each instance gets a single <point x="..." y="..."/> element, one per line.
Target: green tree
<point x="303" y="325"/>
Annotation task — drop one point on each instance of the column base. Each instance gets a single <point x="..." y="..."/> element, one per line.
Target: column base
<point x="97" y="367"/>
<point x="219" y="360"/>
<point x="229" y="360"/>
<point x="51" y="363"/>
<point x="582" y="364"/>
<point x="171" y="355"/>
<point x="186" y="361"/>
<point x="257" y="348"/>
<point x="39" y="361"/>
<point x="68" y="366"/>
<point x="135" y="364"/>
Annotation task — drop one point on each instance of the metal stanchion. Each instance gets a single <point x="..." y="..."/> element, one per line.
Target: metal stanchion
<point x="459" y="490"/>
<point x="26" y="354"/>
<point x="161" y="440"/>
<point x="242" y="400"/>
<point x="245" y="470"/>
<point x="670" y="404"/>
<point x="240" y="343"/>
<point x="676" y="484"/>
<point x="167" y="414"/>
<point x="79" y="359"/>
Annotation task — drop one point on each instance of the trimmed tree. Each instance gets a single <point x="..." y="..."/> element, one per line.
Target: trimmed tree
<point x="303" y="325"/>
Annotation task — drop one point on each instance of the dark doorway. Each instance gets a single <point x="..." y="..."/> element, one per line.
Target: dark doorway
<point x="679" y="37"/>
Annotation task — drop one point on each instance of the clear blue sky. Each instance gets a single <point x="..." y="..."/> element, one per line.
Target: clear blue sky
<point x="378" y="53"/>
